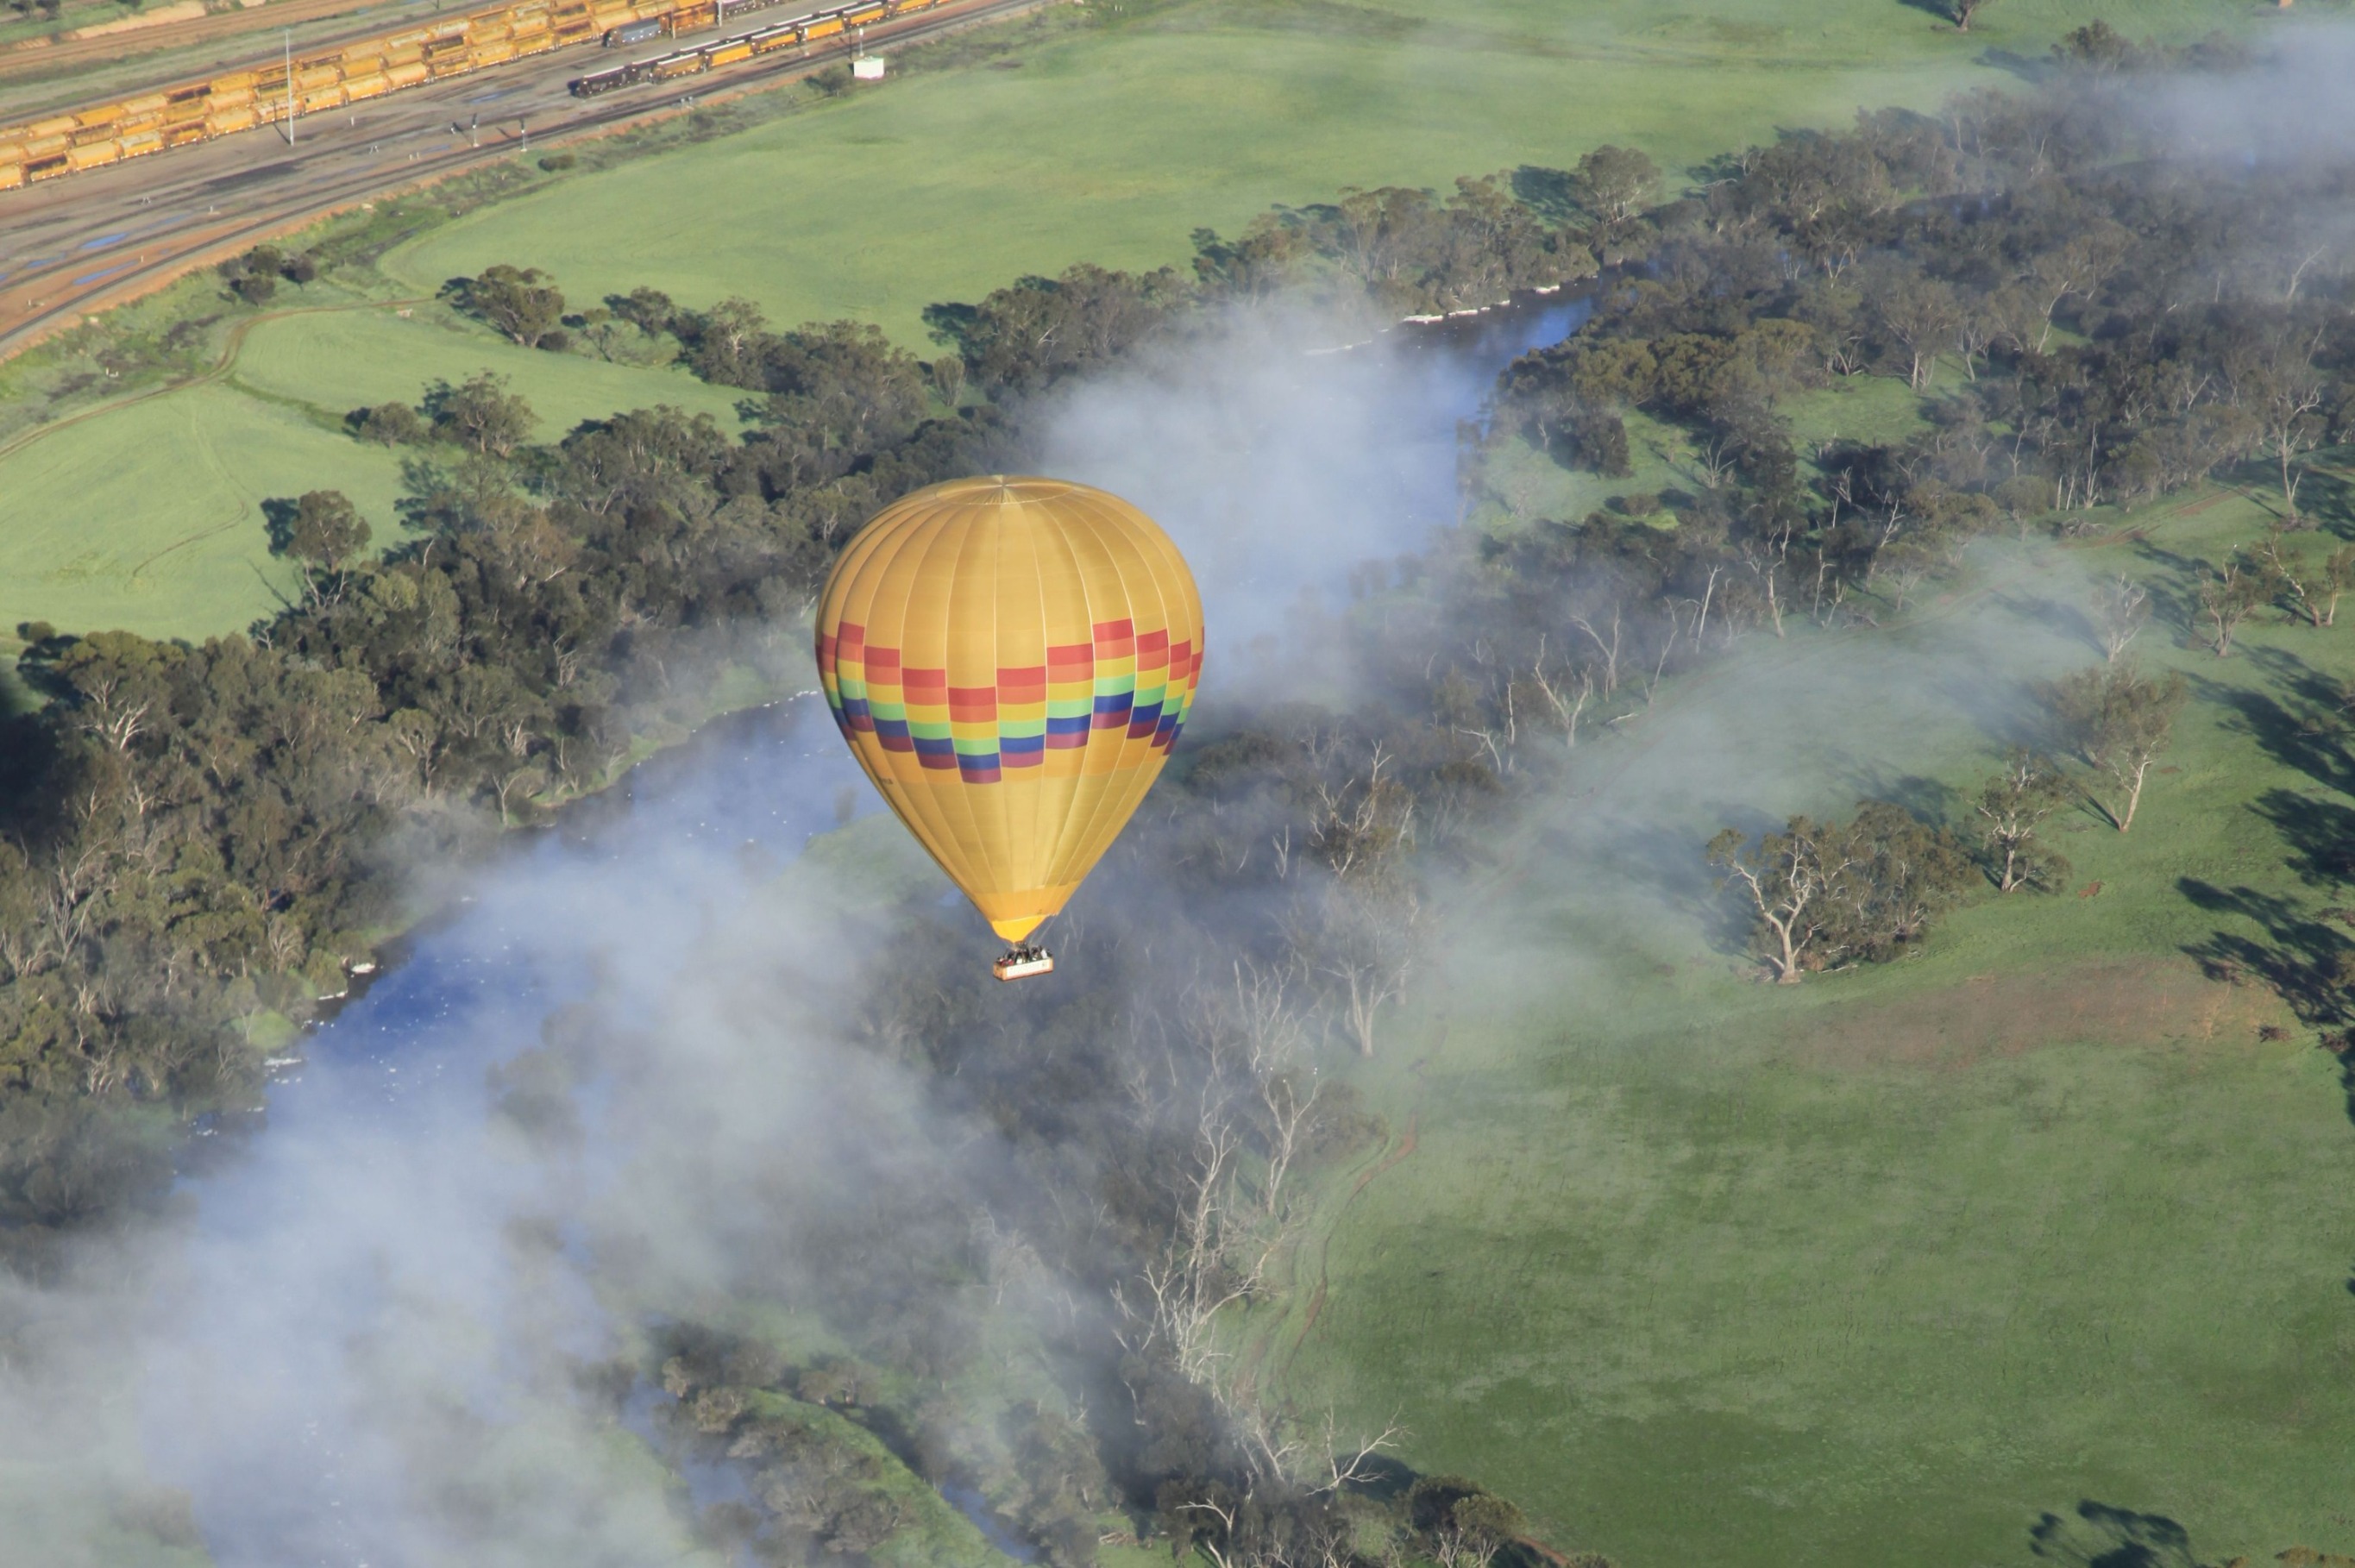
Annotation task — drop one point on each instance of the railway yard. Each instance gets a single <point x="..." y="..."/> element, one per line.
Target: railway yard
<point x="73" y="244"/>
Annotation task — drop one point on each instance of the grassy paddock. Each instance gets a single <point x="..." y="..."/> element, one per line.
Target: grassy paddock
<point x="148" y="516"/>
<point x="1111" y="143"/>
<point x="1880" y="1268"/>
<point x="1107" y="139"/>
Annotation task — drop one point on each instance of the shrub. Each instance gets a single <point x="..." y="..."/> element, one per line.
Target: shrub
<point x="393" y="424"/>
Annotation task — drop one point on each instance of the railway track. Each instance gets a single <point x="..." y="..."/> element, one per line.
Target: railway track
<point x="175" y="214"/>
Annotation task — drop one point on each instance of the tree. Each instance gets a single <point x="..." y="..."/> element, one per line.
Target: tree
<point x="1364" y="942"/>
<point x="520" y="301"/>
<point x="2273" y="379"/>
<point x="2228" y="595"/>
<point x="1965" y="10"/>
<point x="327" y="530"/>
<point x="1615" y="184"/>
<point x="481" y="415"/>
<point x="389" y="424"/>
<point x="2309" y="592"/>
<point x="727" y="345"/>
<point x="2121" y="610"/>
<point x="2118" y="721"/>
<point x="1825" y="892"/>
<point x="649" y="310"/>
<point x="2011" y="807"/>
<point x="2097" y="47"/>
<point x="1919" y="314"/>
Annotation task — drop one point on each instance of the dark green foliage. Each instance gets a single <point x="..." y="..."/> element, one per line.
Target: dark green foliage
<point x="2117" y="721"/>
<point x="321" y="527"/>
<point x="254" y="275"/>
<point x="190" y="835"/>
<point x="2012" y="807"/>
<point x="390" y="424"/>
<point x="1023" y="339"/>
<point x="1825" y="894"/>
<point x="648" y="310"/>
<point x="481" y="415"/>
<point x="520" y="302"/>
<point x="1405" y="251"/>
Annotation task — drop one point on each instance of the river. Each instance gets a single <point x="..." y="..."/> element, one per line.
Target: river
<point x="345" y="1311"/>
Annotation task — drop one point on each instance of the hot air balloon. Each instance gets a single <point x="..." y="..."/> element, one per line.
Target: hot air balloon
<point x="1011" y="659"/>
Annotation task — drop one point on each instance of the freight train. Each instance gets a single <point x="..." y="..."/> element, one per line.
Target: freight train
<point x="269" y="94"/>
<point x="797" y="32"/>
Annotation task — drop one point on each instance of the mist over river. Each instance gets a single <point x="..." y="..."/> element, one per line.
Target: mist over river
<point x="347" y="1310"/>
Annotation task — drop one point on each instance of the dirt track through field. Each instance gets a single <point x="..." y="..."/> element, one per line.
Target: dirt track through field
<point x="221" y="366"/>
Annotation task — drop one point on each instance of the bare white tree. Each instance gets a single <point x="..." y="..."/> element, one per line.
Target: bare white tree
<point x="2121" y="610"/>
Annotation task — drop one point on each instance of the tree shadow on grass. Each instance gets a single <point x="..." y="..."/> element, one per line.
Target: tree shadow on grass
<point x="2096" y="1535"/>
<point x="2327" y="501"/>
<point x="2027" y="68"/>
<point x="1928" y="800"/>
<point x="2174" y="599"/>
<point x="2320" y="834"/>
<point x="2303" y="732"/>
<point x="278" y="515"/>
<point x="2300" y="957"/>
<point x="1553" y="193"/>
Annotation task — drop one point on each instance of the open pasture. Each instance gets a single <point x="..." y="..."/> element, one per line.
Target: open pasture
<point x="1884" y="1267"/>
<point x="148" y="516"/>
<point x="1108" y="141"/>
<point x="1112" y="143"/>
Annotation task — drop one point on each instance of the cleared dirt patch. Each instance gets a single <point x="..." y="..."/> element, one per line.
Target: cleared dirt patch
<point x="2123" y="1002"/>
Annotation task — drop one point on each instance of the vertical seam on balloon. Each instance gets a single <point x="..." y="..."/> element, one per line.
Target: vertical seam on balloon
<point x="995" y="801"/>
<point x="1143" y="551"/>
<point x="1081" y="833"/>
<point x="962" y="807"/>
<point x="1112" y="794"/>
<point x="1041" y="866"/>
<point x="948" y="854"/>
<point x="849" y="575"/>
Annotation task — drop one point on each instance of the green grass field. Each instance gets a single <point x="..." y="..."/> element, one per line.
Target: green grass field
<point x="1112" y="143"/>
<point x="1108" y="143"/>
<point x="1882" y="1268"/>
<point x="148" y="516"/>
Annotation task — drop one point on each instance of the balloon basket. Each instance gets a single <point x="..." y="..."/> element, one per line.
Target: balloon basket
<point x="1021" y="962"/>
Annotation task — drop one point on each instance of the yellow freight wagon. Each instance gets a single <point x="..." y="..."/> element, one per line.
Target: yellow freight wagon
<point x="240" y="100"/>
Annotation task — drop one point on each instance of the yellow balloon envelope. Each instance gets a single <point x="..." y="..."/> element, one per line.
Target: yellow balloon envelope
<point x="1011" y="661"/>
